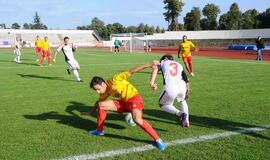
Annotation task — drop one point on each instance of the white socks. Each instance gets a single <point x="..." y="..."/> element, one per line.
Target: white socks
<point x="185" y="108"/>
<point x="76" y="73"/>
<point x="170" y="109"/>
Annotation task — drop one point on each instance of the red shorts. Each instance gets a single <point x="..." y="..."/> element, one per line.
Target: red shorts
<point x="46" y="53"/>
<point x="129" y="105"/>
<point x="187" y="59"/>
<point x="38" y="49"/>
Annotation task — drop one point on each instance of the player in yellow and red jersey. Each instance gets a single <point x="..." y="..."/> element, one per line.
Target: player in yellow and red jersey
<point x="46" y="51"/>
<point x="184" y="49"/>
<point x="128" y="100"/>
<point x="38" y="44"/>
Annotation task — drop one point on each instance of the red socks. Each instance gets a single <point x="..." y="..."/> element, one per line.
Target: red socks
<point x="101" y="119"/>
<point x="145" y="126"/>
<point x="190" y="67"/>
<point x="149" y="130"/>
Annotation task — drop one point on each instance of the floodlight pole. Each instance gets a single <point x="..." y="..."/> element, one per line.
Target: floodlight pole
<point x="146" y="43"/>
<point x="111" y="43"/>
<point x="130" y="44"/>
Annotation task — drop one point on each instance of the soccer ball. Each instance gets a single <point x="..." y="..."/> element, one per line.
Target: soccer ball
<point x="129" y="120"/>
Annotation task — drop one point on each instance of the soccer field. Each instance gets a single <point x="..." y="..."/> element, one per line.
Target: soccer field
<point x="40" y="110"/>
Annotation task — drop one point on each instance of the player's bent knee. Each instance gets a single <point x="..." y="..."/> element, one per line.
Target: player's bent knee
<point x="101" y="105"/>
<point x="138" y="120"/>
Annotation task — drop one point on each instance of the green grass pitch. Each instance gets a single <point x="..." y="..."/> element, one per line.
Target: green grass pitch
<point x="40" y="109"/>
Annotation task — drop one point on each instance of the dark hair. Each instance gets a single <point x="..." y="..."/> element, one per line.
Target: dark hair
<point x="166" y="56"/>
<point x="66" y="38"/>
<point x="96" y="81"/>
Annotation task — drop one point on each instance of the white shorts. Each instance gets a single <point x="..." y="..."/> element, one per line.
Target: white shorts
<point x="169" y="94"/>
<point x="17" y="52"/>
<point x="73" y="64"/>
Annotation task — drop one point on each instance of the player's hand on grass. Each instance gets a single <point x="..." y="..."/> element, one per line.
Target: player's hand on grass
<point x="154" y="87"/>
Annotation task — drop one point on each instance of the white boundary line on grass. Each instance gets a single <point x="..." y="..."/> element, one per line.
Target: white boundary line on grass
<point x="92" y="64"/>
<point x="171" y="143"/>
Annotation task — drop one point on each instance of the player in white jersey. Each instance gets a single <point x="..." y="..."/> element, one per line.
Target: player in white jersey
<point x="68" y="50"/>
<point x="17" y="50"/>
<point x="175" y="86"/>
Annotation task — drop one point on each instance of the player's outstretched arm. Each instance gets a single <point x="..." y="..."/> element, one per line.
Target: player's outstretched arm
<point x="56" y="51"/>
<point x="153" y="85"/>
<point x="142" y="67"/>
<point x="92" y="110"/>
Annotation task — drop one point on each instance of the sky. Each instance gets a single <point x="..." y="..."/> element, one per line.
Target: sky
<point x="68" y="14"/>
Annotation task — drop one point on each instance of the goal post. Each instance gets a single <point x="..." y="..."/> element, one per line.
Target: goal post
<point x="130" y="42"/>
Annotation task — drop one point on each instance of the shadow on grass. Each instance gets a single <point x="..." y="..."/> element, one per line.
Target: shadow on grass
<point x="77" y="121"/>
<point x="208" y="122"/>
<point x="44" y="77"/>
<point x="29" y="64"/>
<point x="22" y="63"/>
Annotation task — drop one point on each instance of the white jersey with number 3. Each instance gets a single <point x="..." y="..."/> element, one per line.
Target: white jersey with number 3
<point x="174" y="85"/>
<point x="172" y="73"/>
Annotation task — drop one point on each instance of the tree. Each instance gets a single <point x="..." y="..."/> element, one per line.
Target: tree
<point x="140" y="28"/>
<point x="104" y="33"/>
<point x="3" y="26"/>
<point x="249" y="19"/>
<point x="223" y="22"/>
<point x="15" y="26"/>
<point x="235" y="16"/>
<point x="96" y="24"/>
<point x="157" y="30"/>
<point x="192" y="19"/>
<point x="82" y="27"/>
<point x="264" y="19"/>
<point x="130" y="29"/>
<point x="163" y="30"/>
<point x="173" y="9"/>
<point x="37" y="24"/>
<point x="118" y="27"/>
<point x="232" y="19"/>
<point x="151" y="30"/>
<point x="26" y="26"/>
<point x="181" y="27"/>
<point x="210" y="11"/>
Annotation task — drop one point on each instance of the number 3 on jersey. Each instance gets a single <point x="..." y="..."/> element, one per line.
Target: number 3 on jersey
<point x="173" y="69"/>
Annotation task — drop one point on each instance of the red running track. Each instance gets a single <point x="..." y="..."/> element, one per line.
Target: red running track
<point x="216" y="52"/>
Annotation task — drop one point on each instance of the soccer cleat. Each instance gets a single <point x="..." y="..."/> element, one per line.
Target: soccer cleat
<point x="192" y="74"/>
<point x="184" y="119"/>
<point x="160" y="145"/>
<point x="68" y="71"/>
<point x="37" y="60"/>
<point x="50" y="64"/>
<point x="96" y="132"/>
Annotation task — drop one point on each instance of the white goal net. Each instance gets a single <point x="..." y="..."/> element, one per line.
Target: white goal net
<point x="130" y="42"/>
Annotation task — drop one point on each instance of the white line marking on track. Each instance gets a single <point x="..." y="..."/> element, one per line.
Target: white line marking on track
<point x="171" y="143"/>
